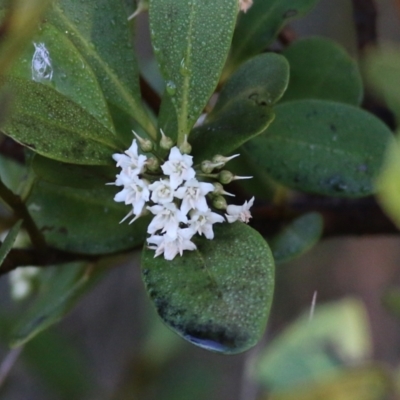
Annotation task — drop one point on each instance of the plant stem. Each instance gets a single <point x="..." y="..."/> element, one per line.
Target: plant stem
<point x="21" y="212"/>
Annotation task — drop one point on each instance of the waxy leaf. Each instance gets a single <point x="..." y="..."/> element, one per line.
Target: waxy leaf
<point x="72" y="175"/>
<point x="244" y="106"/>
<point x="258" y="27"/>
<point x="321" y="69"/>
<point x="99" y="30"/>
<point x="8" y="242"/>
<point x="52" y="59"/>
<point x="322" y="147"/>
<point x="217" y="297"/>
<point x="61" y="287"/>
<point x="297" y="238"/>
<point x="191" y="40"/>
<point x="54" y="126"/>
<point x="84" y="220"/>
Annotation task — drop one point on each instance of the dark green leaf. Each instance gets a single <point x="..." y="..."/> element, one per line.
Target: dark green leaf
<point x="321" y="69"/>
<point x="54" y="126"/>
<point x="257" y="28"/>
<point x="311" y="349"/>
<point x="13" y="174"/>
<point x="191" y="40"/>
<point x="71" y="175"/>
<point x="8" y="243"/>
<point x="84" y="220"/>
<point x="99" y="30"/>
<point x="67" y="72"/>
<point x="322" y="147"/>
<point x="243" y="109"/>
<point x="297" y="238"/>
<point x="60" y="289"/>
<point x="218" y="296"/>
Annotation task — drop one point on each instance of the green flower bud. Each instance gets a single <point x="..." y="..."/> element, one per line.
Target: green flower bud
<point x="152" y="164"/>
<point x="166" y="142"/>
<point x="219" y="203"/>
<point x="145" y="145"/>
<point x="185" y="147"/>
<point x="225" y="177"/>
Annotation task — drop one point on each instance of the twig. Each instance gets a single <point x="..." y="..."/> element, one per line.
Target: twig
<point x="20" y="210"/>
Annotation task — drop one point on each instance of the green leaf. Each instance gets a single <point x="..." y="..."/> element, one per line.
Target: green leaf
<point x="72" y="175"/>
<point x="321" y="69"/>
<point x="13" y="174"/>
<point x="191" y="40"/>
<point x="338" y="335"/>
<point x="52" y="125"/>
<point x="297" y="238"/>
<point x="322" y="147"/>
<point x="388" y="183"/>
<point x="60" y="289"/>
<point x="217" y="297"/>
<point x="84" y="220"/>
<point x="243" y="109"/>
<point x="20" y="20"/>
<point x="382" y="69"/>
<point x="99" y="30"/>
<point x="67" y="72"/>
<point x="8" y="242"/>
<point x="258" y="28"/>
<point x="371" y="382"/>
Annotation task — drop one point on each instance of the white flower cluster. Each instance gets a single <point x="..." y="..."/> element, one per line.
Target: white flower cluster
<point x="174" y="196"/>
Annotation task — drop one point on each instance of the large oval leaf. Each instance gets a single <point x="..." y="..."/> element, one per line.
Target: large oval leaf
<point x="84" y="220"/>
<point x="243" y="109"/>
<point x="257" y="28"/>
<point x="321" y="69"/>
<point x="54" y="126"/>
<point x="53" y="60"/>
<point x="191" y="40"/>
<point x="217" y="297"/>
<point x="100" y="32"/>
<point x="322" y="147"/>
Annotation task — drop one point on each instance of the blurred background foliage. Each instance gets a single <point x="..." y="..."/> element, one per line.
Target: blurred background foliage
<point x="344" y="345"/>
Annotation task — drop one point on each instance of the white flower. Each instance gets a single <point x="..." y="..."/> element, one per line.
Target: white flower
<point x="171" y="246"/>
<point x="178" y="167"/>
<point x="131" y="161"/>
<point x="241" y="213"/>
<point x="202" y="222"/>
<point x="162" y="191"/>
<point x="167" y="219"/>
<point x="135" y="192"/>
<point x="193" y="195"/>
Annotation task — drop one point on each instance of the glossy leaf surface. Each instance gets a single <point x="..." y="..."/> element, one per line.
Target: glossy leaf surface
<point x="84" y="220"/>
<point x="53" y="60"/>
<point x="244" y="106"/>
<point x="61" y="287"/>
<point x="191" y="40"/>
<point x="218" y="296"/>
<point x="257" y="28"/>
<point x="297" y="238"/>
<point x="54" y="126"/>
<point x="322" y="147"/>
<point x="321" y="69"/>
<point x="99" y="30"/>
